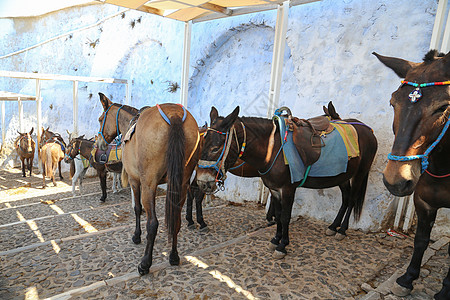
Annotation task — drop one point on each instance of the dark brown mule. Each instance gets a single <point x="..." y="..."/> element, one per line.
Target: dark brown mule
<point x="420" y="122"/>
<point x="263" y="142"/>
<point x="48" y="136"/>
<point x="83" y="147"/>
<point x="157" y="151"/>
<point x="25" y="149"/>
<point x="114" y="120"/>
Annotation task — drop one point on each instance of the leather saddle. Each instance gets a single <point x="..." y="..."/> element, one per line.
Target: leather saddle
<point x="307" y="136"/>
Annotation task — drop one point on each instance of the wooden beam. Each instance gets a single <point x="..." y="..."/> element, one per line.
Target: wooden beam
<point x="217" y="9"/>
<point x="42" y="76"/>
<point x="249" y="10"/>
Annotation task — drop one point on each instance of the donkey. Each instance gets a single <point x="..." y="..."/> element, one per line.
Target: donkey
<point x="419" y="161"/>
<point x="25" y="149"/>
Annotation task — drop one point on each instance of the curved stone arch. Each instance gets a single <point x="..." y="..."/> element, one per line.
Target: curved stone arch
<point x="235" y="70"/>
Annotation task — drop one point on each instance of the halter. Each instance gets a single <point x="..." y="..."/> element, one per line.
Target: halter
<point x="20" y="146"/>
<point x="219" y="164"/>
<point x="166" y="118"/>
<point x="79" y="152"/>
<point x="117" y="124"/>
<point x="414" y="96"/>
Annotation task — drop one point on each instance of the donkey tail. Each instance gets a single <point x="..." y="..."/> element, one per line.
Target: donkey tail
<point x="124" y="178"/>
<point x="359" y="198"/>
<point x="175" y="158"/>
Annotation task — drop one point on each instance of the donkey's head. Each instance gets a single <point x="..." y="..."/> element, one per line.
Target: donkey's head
<point x="421" y="110"/>
<point x="216" y="157"/>
<point x="108" y="126"/>
<point x="26" y="142"/>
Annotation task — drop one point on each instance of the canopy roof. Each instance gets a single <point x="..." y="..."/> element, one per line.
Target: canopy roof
<point x="201" y="10"/>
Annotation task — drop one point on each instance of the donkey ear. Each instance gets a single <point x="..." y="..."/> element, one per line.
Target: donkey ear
<point x="229" y="120"/>
<point x="19" y="132"/>
<point x="213" y="114"/>
<point x="105" y="101"/>
<point x="400" y="66"/>
<point x="31" y="131"/>
<point x="332" y="111"/>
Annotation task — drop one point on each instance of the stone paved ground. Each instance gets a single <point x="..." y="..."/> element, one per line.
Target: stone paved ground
<point x="59" y="246"/>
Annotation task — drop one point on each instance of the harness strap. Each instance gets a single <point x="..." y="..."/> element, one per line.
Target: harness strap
<point x="166" y="118"/>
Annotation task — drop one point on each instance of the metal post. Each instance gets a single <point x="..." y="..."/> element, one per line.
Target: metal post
<point x="185" y="64"/>
<point x="276" y="72"/>
<point x="398" y="215"/>
<point x="20" y="115"/>
<point x="38" y="109"/>
<point x="128" y="92"/>
<point x="438" y="22"/>
<point x="445" y="47"/>
<point x="3" y="122"/>
<point x="409" y="213"/>
<point x="75" y="108"/>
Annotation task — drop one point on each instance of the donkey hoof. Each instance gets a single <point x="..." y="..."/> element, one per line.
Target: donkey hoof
<point x="102" y="199"/>
<point x="143" y="271"/>
<point x="339" y="236"/>
<point x="191" y="226"/>
<point x="136" y="240"/>
<point x="399" y="290"/>
<point x="330" y="232"/>
<point x="278" y="254"/>
<point x="272" y="246"/>
<point x="174" y="259"/>
<point x="204" y="229"/>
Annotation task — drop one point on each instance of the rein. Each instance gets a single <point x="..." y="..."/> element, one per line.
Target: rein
<point x="414" y="96"/>
<point x="117" y="123"/>
<point x="219" y="164"/>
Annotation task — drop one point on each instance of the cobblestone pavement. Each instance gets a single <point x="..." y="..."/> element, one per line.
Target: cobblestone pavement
<point x="53" y="245"/>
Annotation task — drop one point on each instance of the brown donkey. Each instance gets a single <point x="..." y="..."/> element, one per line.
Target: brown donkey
<point x="25" y="149"/>
<point x="163" y="149"/>
<point x="420" y="160"/>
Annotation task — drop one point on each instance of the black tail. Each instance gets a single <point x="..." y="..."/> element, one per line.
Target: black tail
<point x="176" y="158"/>
<point x="359" y="197"/>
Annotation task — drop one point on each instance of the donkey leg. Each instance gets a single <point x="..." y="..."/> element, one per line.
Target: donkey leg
<point x="148" y="199"/>
<point x="199" y="196"/>
<point x="345" y="192"/>
<point x="30" y="165"/>
<point x="43" y="176"/>
<point x="59" y="168"/>
<point x="80" y="178"/>
<point x="287" y="200"/>
<point x="190" y="197"/>
<point x="425" y="220"/>
<point x="114" y="184"/>
<point x="445" y="291"/>
<point x="137" y="206"/>
<point x="102" y="176"/>
<point x="174" y="258"/>
<point x="275" y="202"/>
<point x="23" y="166"/>
<point x="340" y="235"/>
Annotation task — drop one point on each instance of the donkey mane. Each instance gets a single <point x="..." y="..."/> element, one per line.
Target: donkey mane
<point x="432" y="55"/>
<point x="127" y="108"/>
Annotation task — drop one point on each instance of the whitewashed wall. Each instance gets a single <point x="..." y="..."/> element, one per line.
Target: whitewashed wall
<point x="328" y="57"/>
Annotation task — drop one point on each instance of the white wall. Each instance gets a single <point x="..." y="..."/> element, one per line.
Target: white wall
<point x="328" y="57"/>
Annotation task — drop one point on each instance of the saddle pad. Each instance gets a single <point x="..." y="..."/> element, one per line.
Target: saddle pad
<point x="350" y="137"/>
<point x="290" y="153"/>
<point x="115" y="154"/>
<point x="332" y="161"/>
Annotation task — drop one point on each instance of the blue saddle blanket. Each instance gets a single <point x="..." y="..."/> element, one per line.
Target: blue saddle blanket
<point x="332" y="161"/>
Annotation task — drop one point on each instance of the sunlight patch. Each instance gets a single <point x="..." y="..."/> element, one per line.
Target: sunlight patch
<point x="223" y="278"/>
<point x="57" y="209"/>
<point x="86" y="225"/>
<point x="55" y="246"/>
<point x="31" y="294"/>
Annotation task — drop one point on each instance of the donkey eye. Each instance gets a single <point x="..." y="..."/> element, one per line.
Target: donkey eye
<point x="215" y="149"/>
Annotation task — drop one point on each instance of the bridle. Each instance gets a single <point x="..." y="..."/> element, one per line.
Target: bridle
<point x="219" y="164"/>
<point x="117" y="124"/>
<point x="71" y="148"/>
<point x="414" y="96"/>
<point x="28" y="138"/>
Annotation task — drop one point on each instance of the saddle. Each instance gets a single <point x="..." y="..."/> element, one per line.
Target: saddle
<point x="307" y="136"/>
